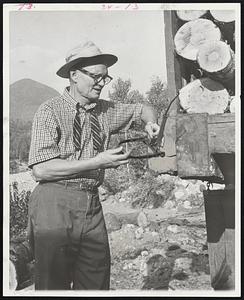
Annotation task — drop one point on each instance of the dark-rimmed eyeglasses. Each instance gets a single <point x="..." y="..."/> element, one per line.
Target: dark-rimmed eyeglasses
<point x="97" y="78"/>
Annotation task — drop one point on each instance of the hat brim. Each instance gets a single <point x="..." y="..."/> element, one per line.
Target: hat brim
<point x="105" y="59"/>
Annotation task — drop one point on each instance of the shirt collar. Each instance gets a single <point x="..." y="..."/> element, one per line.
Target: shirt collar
<point x="72" y="102"/>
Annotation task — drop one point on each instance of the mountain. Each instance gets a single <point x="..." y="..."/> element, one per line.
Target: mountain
<point x="26" y="95"/>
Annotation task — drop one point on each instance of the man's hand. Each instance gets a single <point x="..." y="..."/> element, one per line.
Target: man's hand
<point x="112" y="158"/>
<point x="152" y="129"/>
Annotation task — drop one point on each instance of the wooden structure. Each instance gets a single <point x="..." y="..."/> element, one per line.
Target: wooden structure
<point x="204" y="148"/>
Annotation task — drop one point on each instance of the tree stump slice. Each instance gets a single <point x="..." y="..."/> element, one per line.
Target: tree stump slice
<point x="204" y="96"/>
<point x="192" y="35"/>
<point x="217" y="60"/>
<point x="190" y="15"/>
<point x="225" y="20"/>
<point x="223" y="16"/>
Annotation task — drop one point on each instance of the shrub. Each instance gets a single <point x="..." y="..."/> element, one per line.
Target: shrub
<point x="151" y="192"/>
<point x="18" y="211"/>
<point x="118" y="180"/>
<point x="13" y="167"/>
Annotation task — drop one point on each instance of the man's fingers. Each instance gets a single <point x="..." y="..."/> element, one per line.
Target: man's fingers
<point x="125" y="155"/>
<point x="152" y="129"/>
<point x="115" y="150"/>
<point x="156" y="130"/>
<point x="162" y="142"/>
<point x="123" y="162"/>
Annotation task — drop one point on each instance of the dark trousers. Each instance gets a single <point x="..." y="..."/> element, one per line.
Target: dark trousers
<point x="69" y="239"/>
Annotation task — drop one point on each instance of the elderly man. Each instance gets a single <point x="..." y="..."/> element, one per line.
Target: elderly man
<point x="68" y="157"/>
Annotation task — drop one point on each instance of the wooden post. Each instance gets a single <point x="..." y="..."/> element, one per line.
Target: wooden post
<point x="174" y="79"/>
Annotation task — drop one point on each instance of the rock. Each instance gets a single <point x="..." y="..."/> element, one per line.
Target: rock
<point x="151" y="237"/>
<point x="102" y="191"/>
<point x="180" y="194"/>
<point x="173" y="228"/>
<point x="182" y="209"/>
<point x="187" y="204"/>
<point x="144" y="253"/>
<point x="112" y="222"/>
<point x="169" y="204"/>
<point x="183" y="264"/>
<point x="128" y="266"/>
<point x="139" y="232"/>
<point x="122" y="200"/>
<point x="180" y="238"/>
<point x="156" y="251"/>
<point x="111" y="199"/>
<point x="130" y="226"/>
<point x="142" y="220"/>
<point x="158" y="273"/>
<point x="103" y="194"/>
<point x="143" y="268"/>
<point x="160" y="192"/>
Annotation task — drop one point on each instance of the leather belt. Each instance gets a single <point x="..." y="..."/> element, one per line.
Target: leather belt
<point x="77" y="186"/>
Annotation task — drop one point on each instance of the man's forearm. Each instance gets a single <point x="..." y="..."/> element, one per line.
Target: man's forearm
<point x="148" y="114"/>
<point x="58" y="169"/>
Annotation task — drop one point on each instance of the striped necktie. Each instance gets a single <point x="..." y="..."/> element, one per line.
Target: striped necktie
<point x="77" y="129"/>
<point x="95" y="130"/>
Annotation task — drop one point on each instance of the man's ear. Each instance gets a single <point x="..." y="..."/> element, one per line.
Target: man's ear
<point x="74" y="75"/>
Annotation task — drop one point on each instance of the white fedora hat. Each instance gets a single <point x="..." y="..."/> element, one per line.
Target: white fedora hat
<point x="85" y="54"/>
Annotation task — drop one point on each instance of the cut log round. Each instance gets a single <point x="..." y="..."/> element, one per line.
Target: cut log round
<point x="225" y="20"/>
<point x="192" y="35"/>
<point x="204" y="96"/>
<point x="223" y="16"/>
<point x="189" y="15"/>
<point x="217" y="60"/>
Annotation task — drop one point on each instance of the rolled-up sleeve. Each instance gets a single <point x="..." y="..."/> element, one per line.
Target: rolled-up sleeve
<point x="121" y="116"/>
<point x="44" y="139"/>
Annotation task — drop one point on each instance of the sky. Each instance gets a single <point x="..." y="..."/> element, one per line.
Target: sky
<point x="39" y="41"/>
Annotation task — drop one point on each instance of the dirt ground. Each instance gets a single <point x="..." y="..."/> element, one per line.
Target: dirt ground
<point x="169" y="253"/>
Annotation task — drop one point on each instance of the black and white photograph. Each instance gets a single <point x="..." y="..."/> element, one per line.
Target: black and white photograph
<point x="121" y="149"/>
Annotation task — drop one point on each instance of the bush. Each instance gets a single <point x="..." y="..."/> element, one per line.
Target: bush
<point x="18" y="211"/>
<point x="151" y="192"/>
<point x="13" y="167"/>
<point x="118" y="180"/>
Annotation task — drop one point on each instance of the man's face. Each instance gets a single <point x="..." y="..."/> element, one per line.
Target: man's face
<point x="86" y="85"/>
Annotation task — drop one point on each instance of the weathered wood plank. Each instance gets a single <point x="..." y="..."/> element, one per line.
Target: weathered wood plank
<point x="201" y="139"/>
<point x="174" y="79"/>
<point x="221" y="118"/>
<point x="220" y="221"/>
<point x="221" y="133"/>
<point x="192" y="145"/>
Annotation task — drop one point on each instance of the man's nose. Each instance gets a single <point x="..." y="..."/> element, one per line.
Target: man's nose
<point x="101" y="83"/>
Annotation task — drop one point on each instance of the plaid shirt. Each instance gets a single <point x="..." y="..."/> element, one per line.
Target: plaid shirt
<point x="52" y="132"/>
